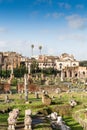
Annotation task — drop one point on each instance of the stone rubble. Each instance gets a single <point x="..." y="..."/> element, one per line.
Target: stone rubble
<point x="57" y="122"/>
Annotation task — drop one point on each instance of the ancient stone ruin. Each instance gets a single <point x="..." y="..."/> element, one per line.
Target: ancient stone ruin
<point x="12" y="119"/>
<point x="57" y="122"/>
<point x="28" y="120"/>
<point x="46" y="100"/>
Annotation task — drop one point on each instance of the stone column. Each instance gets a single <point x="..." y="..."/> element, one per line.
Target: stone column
<point x="36" y="95"/>
<point x="62" y="74"/>
<point x="28" y="120"/>
<point x="73" y="75"/>
<point x="28" y="68"/>
<point x="25" y="87"/>
<point x="11" y="69"/>
<point x="12" y="73"/>
<point x="67" y="73"/>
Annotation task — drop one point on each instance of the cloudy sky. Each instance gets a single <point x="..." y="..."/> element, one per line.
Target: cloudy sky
<point x="59" y="26"/>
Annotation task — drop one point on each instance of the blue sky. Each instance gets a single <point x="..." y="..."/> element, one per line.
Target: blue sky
<point x="59" y="26"/>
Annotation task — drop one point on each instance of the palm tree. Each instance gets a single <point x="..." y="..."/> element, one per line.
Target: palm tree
<point x="40" y="48"/>
<point x="32" y="46"/>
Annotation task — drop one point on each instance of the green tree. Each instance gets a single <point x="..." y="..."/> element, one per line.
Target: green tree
<point x="50" y="71"/>
<point x="83" y="63"/>
<point x="40" y="48"/>
<point x="32" y="47"/>
<point x="20" y="71"/>
<point x="34" y="67"/>
<point x="5" y="73"/>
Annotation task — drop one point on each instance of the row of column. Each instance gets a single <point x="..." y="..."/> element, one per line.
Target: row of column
<point x="68" y="74"/>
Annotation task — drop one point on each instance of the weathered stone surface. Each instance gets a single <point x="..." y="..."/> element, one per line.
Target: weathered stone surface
<point x="53" y="116"/>
<point x="28" y="112"/>
<point x="73" y="103"/>
<point x="46" y="100"/>
<point x="36" y="95"/>
<point x="28" y="120"/>
<point x="58" y="90"/>
<point x="12" y="119"/>
<point x="57" y="122"/>
<point x="28" y="123"/>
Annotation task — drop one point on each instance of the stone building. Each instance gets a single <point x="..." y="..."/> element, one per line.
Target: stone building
<point x="9" y="60"/>
<point x="65" y="63"/>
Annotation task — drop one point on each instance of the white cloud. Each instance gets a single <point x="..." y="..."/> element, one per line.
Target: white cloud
<point x="43" y="1"/>
<point x="18" y="46"/>
<point x="48" y="15"/>
<point x="3" y="30"/>
<point x="73" y="43"/>
<point x="79" y="6"/>
<point x="34" y="14"/>
<point x="76" y="21"/>
<point x="67" y="6"/>
<point x="21" y="46"/>
<point x="57" y="15"/>
<point x="54" y="15"/>
<point x="61" y="4"/>
<point x="45" y="31"/>
<point x="77" y="38"/>
<point x="64" y="5"/>
<point x="3" y="44"/>
<point x="51" y="51"/>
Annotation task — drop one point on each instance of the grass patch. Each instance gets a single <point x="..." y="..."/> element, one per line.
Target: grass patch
<point x="72" y="123"/>
<point x="60" y="104"/>
<point x="42" y="126"/>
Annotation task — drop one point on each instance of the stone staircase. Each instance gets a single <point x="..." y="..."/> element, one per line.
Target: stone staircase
<point x="37" y="120"/>
<point x="19" y="125"/>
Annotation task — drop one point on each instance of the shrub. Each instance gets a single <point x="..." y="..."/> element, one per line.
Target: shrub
<point x="62" y="110"/>
<point x="46" y="111"/>
<point x="14" y="82"/>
